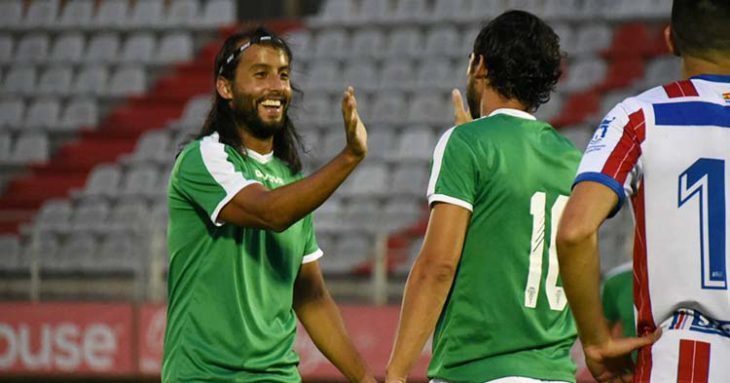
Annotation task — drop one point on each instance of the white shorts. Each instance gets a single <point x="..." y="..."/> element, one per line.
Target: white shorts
<point x="691" y="349"/>
<point x="511" y="379"/>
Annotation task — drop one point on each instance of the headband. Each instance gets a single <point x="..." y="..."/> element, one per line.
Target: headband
<point x="255" y="40"/>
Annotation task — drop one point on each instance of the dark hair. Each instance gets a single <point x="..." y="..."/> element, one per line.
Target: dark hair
<point x="287" y="141"/>
<point x="522" y="56"/>
<point x="699" y="26"/>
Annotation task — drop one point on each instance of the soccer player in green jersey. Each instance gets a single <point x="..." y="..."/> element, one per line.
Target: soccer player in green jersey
<point x="243" y="253"/>
<point x="486" y="277"/>
<point x="617" y="297"/>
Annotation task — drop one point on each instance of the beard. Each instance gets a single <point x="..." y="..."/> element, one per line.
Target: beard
<point x="245" y="111"/>
<point x="473" y="100"/>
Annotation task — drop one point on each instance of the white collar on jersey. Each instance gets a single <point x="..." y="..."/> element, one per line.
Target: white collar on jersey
<point x="513" y="113"/>
<point x="258" y="157"/>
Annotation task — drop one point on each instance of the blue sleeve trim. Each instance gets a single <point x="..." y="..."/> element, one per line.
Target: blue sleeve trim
<point x="607" y="181"/>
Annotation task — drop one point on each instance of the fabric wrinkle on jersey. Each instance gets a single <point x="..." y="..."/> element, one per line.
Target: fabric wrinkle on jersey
<point x="668" y="150"/>
<point x="495" y="167"/>
<point x="230" y="314"/>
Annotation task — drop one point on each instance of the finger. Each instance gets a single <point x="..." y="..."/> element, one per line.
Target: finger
<point x="457" y="101"/>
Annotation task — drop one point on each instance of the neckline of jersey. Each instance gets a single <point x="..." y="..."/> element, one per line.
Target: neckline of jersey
<point x="712" y="77"/>
<point x="513" y="112"/>
<point x="258" y="157"/>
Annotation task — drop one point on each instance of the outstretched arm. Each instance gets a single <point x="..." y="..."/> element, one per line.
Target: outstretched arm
<point x="321" y="318"/>
<point x="428" y="286"/>
<point x="577" y="242"/>
<point x="256" y="206"/>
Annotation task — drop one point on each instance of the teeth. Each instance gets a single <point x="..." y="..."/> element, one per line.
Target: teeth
<point x="275" y="103"/>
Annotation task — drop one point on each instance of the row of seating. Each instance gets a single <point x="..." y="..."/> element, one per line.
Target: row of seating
<point x="105" y="47"/>
<point x="339" y="12"/>
<point x="120" y="14"/>
<point x="97" y="80"/>
<point x="48" y="114"/>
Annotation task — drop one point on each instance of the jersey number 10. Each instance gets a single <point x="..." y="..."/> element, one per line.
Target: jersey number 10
<point x="705" y="179"/>
<point x="555" y="294"/>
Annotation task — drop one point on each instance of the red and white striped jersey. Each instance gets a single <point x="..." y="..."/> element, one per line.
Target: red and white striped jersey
<point x="668" y="150"/>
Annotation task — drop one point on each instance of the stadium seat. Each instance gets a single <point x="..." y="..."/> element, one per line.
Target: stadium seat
<point x="396" y="74"/>
<point x="629" y="41"/>
<point x="75" y="253"/>
<point x="348" y="252"/>
<point x="20" y="79"/>
<point x="328" y="216"/>
<point x="404" y="41"/>
<point x="531" y="6"/>
<point x="590" y="39"/>
<point x="103" y="48"/>
<point x="55" y="81"/>
<point x="68" y="48"/>
<point x="410" y="11"/>
<point x="442" y="40"/>
<point x="480" y="10"/>
<point x="138" y="48"/>
<point x="79" y="113"/>
<point x="583" y="74"/>
<point x="118" y="254"/>
<point x="77" y="14"/>
<point x="194" y="113"/>
<point x="176" y="47"/>
<point x="6" y="48"/>
<point x="41" y="13"/>
<point x="146" y="14"/>
<point x="89" y="216"/>
<point x="31" y="148"/>
<point x="54" y="216"/>
<point x="400" y="212"/>
<point x="409" y="180"/>
<point x="140" y="181"/>
<point x="623" y="73"/>
<point x="388" y="108"/>
<point x="112" y="13"/>
<point x="331" y="43"/>
<point x="662" y="70"/>
<point x="367" y="180"/>
<point x="11" y="13"/>
<point x="565" y="33"/>
<point x="218" y="13"/>
<point x="435" y="75"/>
<point x="40" y="247"/>
<point x="152" y="147"/>
<point x="362" y="215"/>
<point x="127" y="216"/>
<point x="32" y="48"/>
<point x="415" y="144"/>
<point x="334" y="12"/>
<point x="300" y="42"/>
<point x="10" y="252"/>
<point x="317" y="109"/>
<point x="367" y="43"/>
<point x="103" y="182"/>
<point x="91" y="80"/>
<point x="362" y="75"/>
<point x="430" y="108"/>
<point x="577" y="108"/>
<point x="467" y="42"/>
<point x="332" y="143"/>
<point x="373" y="11"/>
<point x="12" y="112"/>
<point x="579" y="135"/>
<point x="42" y="113"/>
<point x="381" y="142"/>
<point x="550" y="110"/>
<point x="560" y="9"/>
<point x="127" y="81"/>
<point x="609" y="101"/>
<point x="323" y="75"/>
<point x="182" y="13"/>
<point x="5" y="144"/>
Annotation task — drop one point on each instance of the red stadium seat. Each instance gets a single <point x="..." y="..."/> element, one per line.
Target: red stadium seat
<point x="577" y="109"/>
<point x="630" y="40"/>
<point x="623" y="73"/>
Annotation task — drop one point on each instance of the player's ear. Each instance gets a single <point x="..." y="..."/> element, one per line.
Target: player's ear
<point x="479" y="67"/>
<point x="669" y="40"/>
<point x="223" y="86"/>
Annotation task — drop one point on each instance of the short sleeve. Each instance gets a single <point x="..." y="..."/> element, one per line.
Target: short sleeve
<point x="453" y="172"/>
<point x="312" y="252"/>
<point x="613" y="155"/>
<point x="209" y="178"/>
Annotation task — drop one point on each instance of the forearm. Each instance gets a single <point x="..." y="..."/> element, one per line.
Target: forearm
<point x="424" y="297"/>
<point x="322" y="320"/>
<point x="580" y="272"/>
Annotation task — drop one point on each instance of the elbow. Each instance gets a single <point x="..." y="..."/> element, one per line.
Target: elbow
<point x="435" y="272"/>
<point x="275" y="220"/>
<point x="571" y="234"/>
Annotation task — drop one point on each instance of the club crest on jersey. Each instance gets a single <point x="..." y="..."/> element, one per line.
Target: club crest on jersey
<point x="726" y="97"/>
<point x="595" y="143"/>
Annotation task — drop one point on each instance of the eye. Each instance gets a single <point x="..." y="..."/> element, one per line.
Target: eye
<point x="259" y="74"/>
<point x="284" y="76"/>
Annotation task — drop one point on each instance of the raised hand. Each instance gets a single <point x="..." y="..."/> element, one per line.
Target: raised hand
<point x="612" y="362"/>
<point x="461" y="114"/>
<point x="357" y="136"/>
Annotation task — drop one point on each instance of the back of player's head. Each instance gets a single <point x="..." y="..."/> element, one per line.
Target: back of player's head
<point x="522" y="56"/>
<point x="701" y="26"/>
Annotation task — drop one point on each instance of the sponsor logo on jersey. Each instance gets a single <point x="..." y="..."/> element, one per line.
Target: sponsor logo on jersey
<point x="270" y="178"/>
<point x="595" y="143"/>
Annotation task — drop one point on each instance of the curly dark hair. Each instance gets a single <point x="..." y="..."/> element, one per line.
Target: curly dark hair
<point x="701" y="26"/>
<point x="287" y="141"/>
<point x="522" y="56"/>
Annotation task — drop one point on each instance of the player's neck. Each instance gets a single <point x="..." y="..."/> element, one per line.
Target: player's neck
<point x="258" y="145"/>
<point x="491" y="101"/>
<point x="694" y="66"/>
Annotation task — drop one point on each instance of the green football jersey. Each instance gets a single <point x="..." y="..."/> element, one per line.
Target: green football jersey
<point x="506" y="314"/>
<point x="230" y="288"/>
<point x="618" y="298"/>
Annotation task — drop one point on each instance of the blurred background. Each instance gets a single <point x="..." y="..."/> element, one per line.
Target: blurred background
<point x="97" y="95"/>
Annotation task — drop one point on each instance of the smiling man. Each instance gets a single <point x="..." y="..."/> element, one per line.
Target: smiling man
<point x="243" y="254"/>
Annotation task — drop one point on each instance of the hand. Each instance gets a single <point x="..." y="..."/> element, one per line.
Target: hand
<point x="461" y="114"/>
<point x="357" y="136"/>
<point x="611" y="362"/>
<point x="389" y="379"/>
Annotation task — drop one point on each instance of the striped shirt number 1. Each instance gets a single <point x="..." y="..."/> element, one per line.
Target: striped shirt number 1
<point x="705" y="179"/>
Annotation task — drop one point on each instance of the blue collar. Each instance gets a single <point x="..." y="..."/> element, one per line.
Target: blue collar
<point x="712" y="77"/>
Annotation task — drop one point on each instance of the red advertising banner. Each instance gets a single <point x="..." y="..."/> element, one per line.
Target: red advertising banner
<point x="150" y="338"/>
<point x="66" y="338"/>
